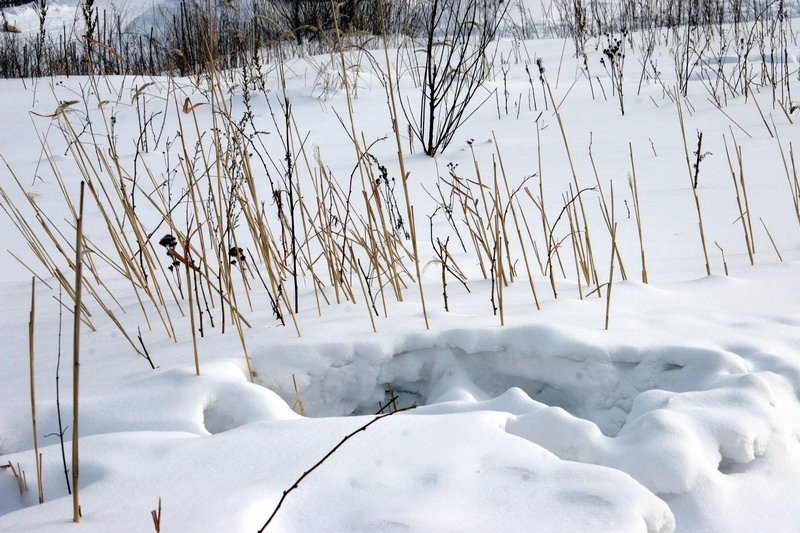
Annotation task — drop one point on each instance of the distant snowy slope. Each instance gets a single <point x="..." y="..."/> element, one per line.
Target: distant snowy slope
<point x="67" y="13"/>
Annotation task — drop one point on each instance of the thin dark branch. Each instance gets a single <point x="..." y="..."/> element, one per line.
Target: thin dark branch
<point x="325" y="458"/>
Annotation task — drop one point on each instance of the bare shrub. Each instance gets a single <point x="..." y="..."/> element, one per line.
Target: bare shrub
<point x="448" y="60"/>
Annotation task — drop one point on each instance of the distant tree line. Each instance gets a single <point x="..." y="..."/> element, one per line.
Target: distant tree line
<point x="178" y="43"/>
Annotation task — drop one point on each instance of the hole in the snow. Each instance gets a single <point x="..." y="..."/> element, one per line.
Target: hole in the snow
<point x="216" y="420"/>
<point x="728" y="467"/>
<point x="396" y="396"/>
<point x="591" y="386"/>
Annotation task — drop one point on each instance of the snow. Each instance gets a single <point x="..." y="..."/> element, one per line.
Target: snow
<point x="683" y="416"/>
<point x="68" y="14"/>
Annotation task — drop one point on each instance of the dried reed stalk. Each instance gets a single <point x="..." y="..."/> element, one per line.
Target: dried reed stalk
<point x="403" y="173"/>
<point x="573" y="234"/>
<point x="76" y="350"/>
<point x="191" y="310"/>
<point x="606" y="215"/>
<point x="635" y="190"/>
<point x="498" y="253"/>
<point x="774" y="246"/>
<point x="516" y="223"/>
<point x="611" y="273"/>
<point x="678" y="103"/>
<point x="297" y="396"/>
<point x="38" y="456"/>
<point x="724" y="262"/>
<point x="794" y="187"/>
<point x="739" y="204"/>
<point x="584" y="243"/>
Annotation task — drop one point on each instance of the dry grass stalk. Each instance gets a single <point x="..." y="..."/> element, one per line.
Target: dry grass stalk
<point x="196" y="198"/>
<point x="467" y="202"/>
<point x="729" y="117"/>
<point x="724" y="262"/>
<point x="747" y="212"/>
<point x="611" y="273"/>
<point x="504" y="212"/>
<point x="546" y="227"/>
<point x="635" y="190"/>
<point x="146" y="277"/>
<point x="214" y="287"/>
<point x="76" y="350"/>
<point x="794" y="187"/>
<point x="29" y="269"/>
<point x="189" y="276"/>
<point x="516" y="223"/>
<point x="377" y="252"/>
<point x="481" y="187"/>
<point x="573" y="234"/>
<point x="115" y="225"/>
<point x="36" y="245"/>
<point x="584" y="240"/>
<point x="739" y="204"/>
<point x="785" y="113"/>
<point x="387" y="248"/>
<point x="552" y="248"/>
<point x="530" y="238"/>
<point x="297" y="396"/>
<point x="354" y="267"/>
<point x="679" y="104"/>
<point x="404" y="174"/>
<point x="478" y="227"/>
<point x="83" y="316"/>
<point x="497" y="254"/>
<point x="307" y="221"/>
<point x="794" y="170"/>
<point x="606" y="214"/>
<point x="156" y="514"/>
<point x="19" y="475"/>
<point x="774" y="246"/>
<point x="37" y="456"/>
<point x="761" y="114"/>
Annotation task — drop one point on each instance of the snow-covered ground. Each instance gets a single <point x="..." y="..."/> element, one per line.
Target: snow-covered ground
<point x="683" y="415"/>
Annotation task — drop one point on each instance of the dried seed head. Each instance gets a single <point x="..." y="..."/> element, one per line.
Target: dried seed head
<point x="168" y="241"/>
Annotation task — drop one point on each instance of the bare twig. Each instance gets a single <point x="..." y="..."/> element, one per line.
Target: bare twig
<point x="325" y="458"/>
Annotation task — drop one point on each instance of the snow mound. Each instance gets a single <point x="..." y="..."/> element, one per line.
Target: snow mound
<point x="670" y="416"/>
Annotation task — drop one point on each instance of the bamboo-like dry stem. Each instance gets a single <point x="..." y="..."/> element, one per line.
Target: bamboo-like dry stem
<point x="297" y="395"/>
<point x="76" y="364"/>
<point x="31" y="325"/>
<point x="516" y="223"/>
<point x="635" y="190"/>
<point x="354" y="267"/>
<point x="585" y="242"/>
<point x="191" y="314"/>
<point x="739" y="204"/>
<point x="724" y="262"/>
<point x="156" y="514"/>
<point x="611" y="273"/>
<point x="575" y="248"/>
<point x="678" y="103"/>
<point x="774" y="246"/>
<point x="498" y="255"/>
<point x="747" y="212"/>
<point x="793" y="184"/>
<point x="404" y="174"/>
